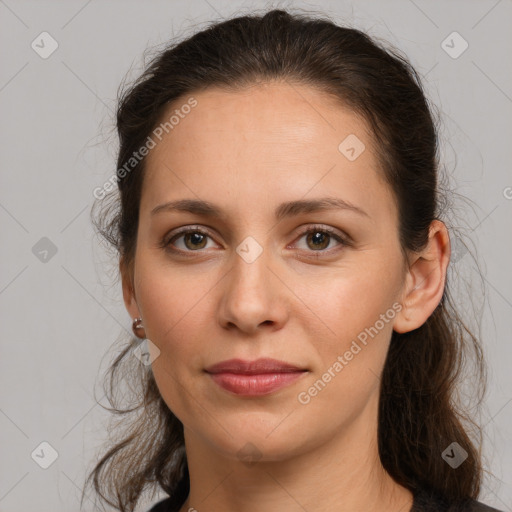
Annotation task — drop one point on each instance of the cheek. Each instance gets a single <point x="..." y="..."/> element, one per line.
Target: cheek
<point x="170" y="298"/>
<point x="349" y="302"/>
<point x="355" y="316"/>
<point x="177" y="318"/>
<point x="173" y="326"/>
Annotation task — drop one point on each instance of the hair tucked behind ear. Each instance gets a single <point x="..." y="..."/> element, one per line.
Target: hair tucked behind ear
<point x="418" y="415"/>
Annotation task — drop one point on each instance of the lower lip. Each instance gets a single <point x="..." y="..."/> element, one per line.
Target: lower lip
<point x="255" y="385"/>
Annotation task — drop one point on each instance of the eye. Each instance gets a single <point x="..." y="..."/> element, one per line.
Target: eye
<point x="194" y="239"/>
<point x="318" y="238"/>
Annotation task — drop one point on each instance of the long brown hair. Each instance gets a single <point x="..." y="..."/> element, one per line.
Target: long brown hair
<point x="418" y="412"/>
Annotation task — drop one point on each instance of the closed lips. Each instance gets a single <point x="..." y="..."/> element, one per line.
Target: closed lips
<point x="257" y="367"/>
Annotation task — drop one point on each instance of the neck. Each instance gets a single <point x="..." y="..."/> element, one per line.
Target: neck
<point x="343" y="473"/>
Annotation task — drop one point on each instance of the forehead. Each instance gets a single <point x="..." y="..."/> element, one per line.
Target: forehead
<point x="269" y="141"/>
<point x="276" y="114"/>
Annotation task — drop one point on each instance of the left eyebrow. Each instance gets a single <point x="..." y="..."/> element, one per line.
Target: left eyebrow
<point x="287" y="209"/>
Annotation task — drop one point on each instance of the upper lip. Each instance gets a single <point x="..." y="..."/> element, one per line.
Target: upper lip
<point x="259" y="366"/>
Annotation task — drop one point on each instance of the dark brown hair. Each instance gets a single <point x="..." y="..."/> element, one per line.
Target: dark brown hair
<point x="419" y="415"/>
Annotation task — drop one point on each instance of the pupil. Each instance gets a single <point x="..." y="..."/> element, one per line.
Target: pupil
<point x="195" y="239"/>
<point x="317" y="238"/>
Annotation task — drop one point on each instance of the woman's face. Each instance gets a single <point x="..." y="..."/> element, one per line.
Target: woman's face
<point x="251" y="285"/>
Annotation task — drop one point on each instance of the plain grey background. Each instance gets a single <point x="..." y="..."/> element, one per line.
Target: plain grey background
<point x="61" y="306"/>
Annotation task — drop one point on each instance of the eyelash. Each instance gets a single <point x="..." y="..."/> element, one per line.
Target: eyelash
<point x="166" y="242"/>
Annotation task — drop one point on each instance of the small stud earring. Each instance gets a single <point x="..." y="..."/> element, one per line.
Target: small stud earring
<point x="137" y="327"/>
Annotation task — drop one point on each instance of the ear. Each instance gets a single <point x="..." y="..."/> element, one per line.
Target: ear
<point x="425" y="280"/>
<point x="129" y="298"/>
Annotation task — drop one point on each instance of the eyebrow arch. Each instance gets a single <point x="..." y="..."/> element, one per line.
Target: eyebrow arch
<point x="287" y="209"/>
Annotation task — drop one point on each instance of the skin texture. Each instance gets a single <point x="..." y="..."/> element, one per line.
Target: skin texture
<point x="247" y="152"/>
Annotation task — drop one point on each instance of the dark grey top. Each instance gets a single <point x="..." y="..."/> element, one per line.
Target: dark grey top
<point x="423" y="502"/>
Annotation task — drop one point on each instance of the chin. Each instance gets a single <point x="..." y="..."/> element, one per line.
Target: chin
<point x="251" y="444"/>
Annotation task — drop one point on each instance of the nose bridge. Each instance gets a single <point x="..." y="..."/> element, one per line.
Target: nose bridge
<point x="250" y="263"/>
<point x="250" y="250"/>
<point x="254" y="248"/>
<point x="249" y="298"/>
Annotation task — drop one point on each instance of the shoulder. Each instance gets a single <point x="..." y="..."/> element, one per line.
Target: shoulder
<point x="163" y="506"/>
<point x="476" y="506"/>
<point x="425" y="502"/>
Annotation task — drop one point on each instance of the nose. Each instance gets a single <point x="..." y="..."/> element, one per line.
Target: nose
<point x="253" y="295"/>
